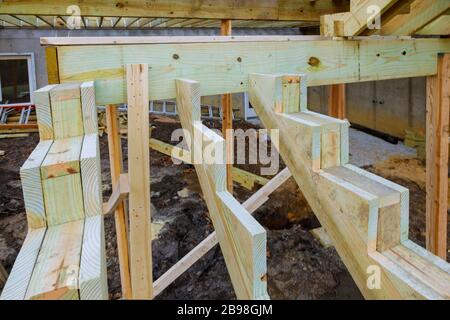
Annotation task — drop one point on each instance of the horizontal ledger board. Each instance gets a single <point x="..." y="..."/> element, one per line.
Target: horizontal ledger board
<point x="223" y="67"/>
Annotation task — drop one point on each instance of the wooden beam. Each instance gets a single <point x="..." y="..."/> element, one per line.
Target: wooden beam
<point x="227" y="9"/>
<point x="439" y="26"/>
<point x="3" y="275"/>
<point x="120" y="216"/>
<point x="120" y="192"/>
<point x="421" y="14"/>
<point x="355" y="21"/>
<point x="365" y="216"/>
<point x="139" y="179"/>
<point x="227" y="118"/>
<point x="251" y="205"/>
<point x="337" y="101"/>
<point x="51" y="57"/>
<point x="244" y="178"/>
<point x="324" y="61"/>
<point x="437" y="130"/>
<point x="242" y="239"/>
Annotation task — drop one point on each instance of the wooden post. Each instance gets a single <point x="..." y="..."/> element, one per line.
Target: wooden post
<point x="139" y="180"/>
<point x="120" y="216"/>
<point x="227" y="117"/>
<point x="3" y="275"/>
<point x="437" y="130"/>
<point x="336" y="101"/>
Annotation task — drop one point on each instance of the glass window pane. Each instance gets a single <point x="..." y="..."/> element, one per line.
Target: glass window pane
<point x="14" y="81"/>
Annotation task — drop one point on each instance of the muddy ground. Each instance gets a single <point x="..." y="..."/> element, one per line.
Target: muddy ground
<point x="298" y="266"/>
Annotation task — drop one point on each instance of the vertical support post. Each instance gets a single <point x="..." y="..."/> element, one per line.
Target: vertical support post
<point x="227" y="117"/>
<point x="51" y="56"/>
<point x="139" y="179"/>
<point x="437" y="131"/>
<point x="336" y="101"/>
<point x="120" y="216"/>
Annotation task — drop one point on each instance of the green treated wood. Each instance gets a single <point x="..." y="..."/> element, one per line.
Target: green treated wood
<point x="66" y="111"/>
<point x="30" y="175"/>
<point x="224" y="67"/>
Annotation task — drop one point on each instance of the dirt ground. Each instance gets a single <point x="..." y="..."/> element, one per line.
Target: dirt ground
<point x="298" y="266"/>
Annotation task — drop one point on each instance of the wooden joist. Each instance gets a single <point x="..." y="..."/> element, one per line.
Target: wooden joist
<point x="139" y="180"/>
<point x="422" y="12"/>
<point x="241" y="238"/>
<point x="437" y="131"/>
<point x="304" y="10"/>
<point x="324" y="61"/>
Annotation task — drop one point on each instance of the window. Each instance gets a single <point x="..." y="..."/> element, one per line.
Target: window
<point x="17" y="78"/>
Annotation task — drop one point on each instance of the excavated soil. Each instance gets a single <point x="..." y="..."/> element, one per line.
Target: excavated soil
<point x="298" y="266"/>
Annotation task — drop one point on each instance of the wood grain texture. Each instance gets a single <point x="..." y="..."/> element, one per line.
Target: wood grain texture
<point x="63" y="158"/>
<point x="19" y="278"/>
<point x="139" y="179"/>
<point x="349" y="207"/>
<point x="93" y="276"/>
<point x="44" y="112"/>
<point x="66" y="111"/>
<point x="91" y="175"/>
<point x="120" y="216"/>
<point x="216" y="65"/>
<point x="241" y="238"/>
<point x="30" y="176"/>
<point x="56" y="272"/>
<point x="63" y="198"/>
<point x="437" y="133"/>
<point x="227" y="9"/>
<point x="88" y="107"/>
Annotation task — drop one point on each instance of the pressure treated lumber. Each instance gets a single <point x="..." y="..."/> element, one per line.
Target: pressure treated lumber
<point x="120" y="215"/>
<point x="19" y="278"/>
<point x="3" y="275"/>
<point x="242" y="239"/>
<point x="227" y="118"/>
<point x="55" y="275"/>
<point x="355" y="21"/>
<point x="121" y="191"/>
<point x="337" y="101"/>
<point x="66" y="111"/>
<point x="91" y="178"/>
<point x="365" y="216"/>
<point x="437" y="131"/>
<point x="304" y="10"/>
<point x="33" y="196"/>
<point x="244" y="178"/>
<point x="139" y="180"/>
<point x="43" y="112"/>
<point x="324" y="61"/>
<point x="251" y="205"/>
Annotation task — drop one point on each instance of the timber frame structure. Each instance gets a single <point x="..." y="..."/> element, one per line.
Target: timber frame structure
<point x="365" y="216"/>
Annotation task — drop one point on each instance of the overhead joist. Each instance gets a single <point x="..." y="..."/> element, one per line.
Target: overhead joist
<point x="222" y="64"/>
<point x="306" y="10"/>
<point x="440" y="26"/>
<point x="355" y="21"/>
<point x="421" y="13"/>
